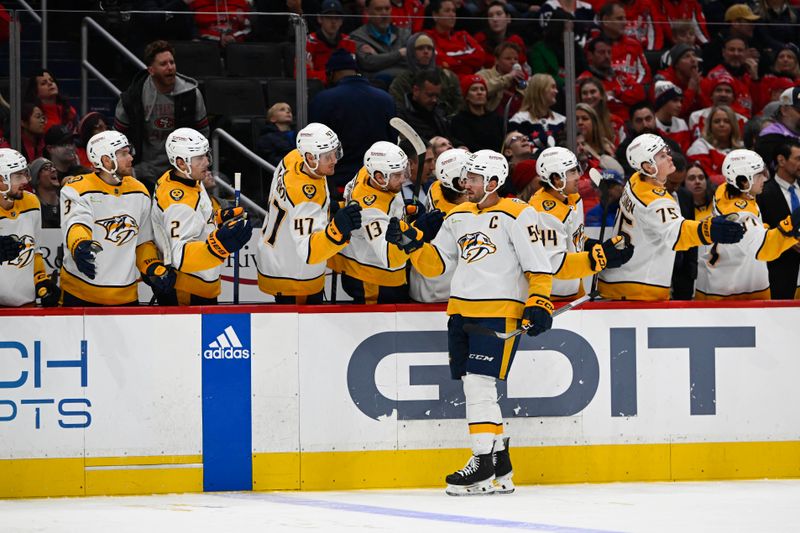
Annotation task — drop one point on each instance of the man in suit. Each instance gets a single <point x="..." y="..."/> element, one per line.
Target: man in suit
<point x="781" y="196"/>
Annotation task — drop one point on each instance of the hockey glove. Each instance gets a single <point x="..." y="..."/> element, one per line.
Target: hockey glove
<point x="345" y="221"/>
<point x="429" y="224"/>
<point x="10" y="248"/>
<point x="791" y="225"/>
<point x="224" y="215"/>
<point x="414" y="209"/>
<point x="160" y="277"/>
<point x="538" y="311"/>
<point x="84" y="255"/>
<point x="403" y="236"/>
<point x="230" y="237"/>
<point x="721" y="230"/>
<point x="611" y="254"/>
<point x="47" y="291"/>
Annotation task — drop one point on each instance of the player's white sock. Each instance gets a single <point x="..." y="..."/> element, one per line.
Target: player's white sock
<point x="499" y="445"/>
<point x="483" y="412"/>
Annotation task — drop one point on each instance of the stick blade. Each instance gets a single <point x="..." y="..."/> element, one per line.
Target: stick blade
<point x="481" y="330"/>
<point x="408" y="132"/>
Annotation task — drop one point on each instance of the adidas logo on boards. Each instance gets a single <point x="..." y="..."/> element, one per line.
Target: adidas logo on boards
<point x="227" y="346"/>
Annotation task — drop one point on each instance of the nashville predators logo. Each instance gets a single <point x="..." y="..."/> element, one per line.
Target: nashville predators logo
<point x="309" y="190"/>
<point x="548" y="205"/>
<point x="741" y="204"/>
<point x="120" y="229"/>
<point x="369" y="200"/>
<point x="74" y="179"/>
<point x="475" y="246"/>
<point x="176" y="194"/>
<point x="26" y="255"/>
<point x="658" y="191"/>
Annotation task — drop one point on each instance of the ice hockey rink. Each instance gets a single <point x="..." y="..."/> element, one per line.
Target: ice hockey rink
<point x="752" y="506"/>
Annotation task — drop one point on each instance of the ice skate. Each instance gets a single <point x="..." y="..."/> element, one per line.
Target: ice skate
<point x="475" y="479"/>
<point x="502" y="470"/>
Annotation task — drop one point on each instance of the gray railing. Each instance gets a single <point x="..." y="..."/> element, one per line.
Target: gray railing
<point x="218" y="134"/>
<point x="14" y="81"/>
<point x="39" y="20"/>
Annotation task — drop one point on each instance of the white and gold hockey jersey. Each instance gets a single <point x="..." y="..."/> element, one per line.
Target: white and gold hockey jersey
<point x="739" y="271"/>
<point x="183" y="218"/>
<point x="368" y="257"/>
<point x="437" y="289"/>
<point x="497" y="257"/>
<point x="17" y="277"/>
<point x="561" y="227"/>
<point x="117" y="217"/>
<point x="296" y="239"/>
<point x="650" y="219"/>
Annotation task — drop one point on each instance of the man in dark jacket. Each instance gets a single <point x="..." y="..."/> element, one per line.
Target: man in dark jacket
<point x="422" y="110"/>
<point x="158" y="101"/>
<point x="358" y="112"/>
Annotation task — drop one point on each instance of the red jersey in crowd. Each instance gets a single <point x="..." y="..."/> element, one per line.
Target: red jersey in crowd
<point x="213" y="21"/>
<point x="457" y="51"/>
<point x="709" y="157"/>
<point x="672" y="11"/>
<point x="622" y="91"/>
<point x="742" y="87"/>
<point x="677" y="130"/>
<point x="319" y="50"/>
<point x="408" y="14"/>
<point x="488" y="50"/>
<point x="627" y="57"/>
<point x="641" y="16"/>
<point x="697" y="122"/>
<point x="691" y="100"/>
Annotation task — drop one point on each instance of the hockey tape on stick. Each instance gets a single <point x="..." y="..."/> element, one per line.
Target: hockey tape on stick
<point x="595" y="176"/>
<point x="483" y="330"/>
<point x="416" y="141"/>
<point x="237" y="191"/>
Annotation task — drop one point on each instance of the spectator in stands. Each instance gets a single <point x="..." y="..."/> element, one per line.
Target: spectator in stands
<point x="787" y="62"/>
<point x="380" y="45"/>
<point x="524" y="179"/>
<point x="740" y="67"/>
<point x="504" y="82"/>
<point x="225" y="21"/>
<point x="672" y="10"/>
<point x="779" y="197"/>
<point x="784" y="73"/>
<point x="498" y="20"/>
<point x="597" y="136"/>
<point x="786" y="126"/>
<point x="740" y="22"/>
<point x="475" y="126"/>
<point x="321" y="44"/>
<point x="721" y="95"/>
<point x="627" y="55"/>
<point x="33" y="121"/>
<point x="358" y="113"/>
<point x="42" y="89"/>
<point x="536" y="119"/>
<point x="158" y="101"/>
<point x="90" y="125"/>
<point x="47" y="186"/>
<point x="592" y="92"/>
<point x="407" y="14"/>
<point x="424" y="58"/>
<point x="622" y="88"/>
<point x="440" y="144"/>
<point x="60" y="149"/>
<point x="456" y="50"/>
<point x="668" y="106"/>
<point x="594" y="150"/>
<point x="720" y="136"/>
<point x="642" y="17"/>
<point x="615" y="182"/>
<point x="421" y="107"/>
<point x="517" y="147"/>
<point x="581" y="12"/>
<point x="684" y="270"/>
<point x="547" y="54"/>
<point x="684" y="72"/>
<point x="277" y="138"/>
<point x="643" y="120"/>
<point x="701" y="189"/>
<point x="782" y="24"/>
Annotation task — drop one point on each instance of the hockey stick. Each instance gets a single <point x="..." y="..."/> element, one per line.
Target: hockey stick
<point x="237" y="191"/>
<point x="416" y="141"/>
<point x="601" y="184"/>
<point x="483" y="330"/>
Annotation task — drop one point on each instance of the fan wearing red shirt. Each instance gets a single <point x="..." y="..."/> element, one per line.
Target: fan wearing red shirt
<point x="627" y="55"/>
<point x="321" y="44"/>
<point x="668" y="102"/>
<point x="640" y="25"/>
<point x="684" y="71"/>
<point x="622" y="89"/>
<point x="673" y="10"/>
<point x="455" y="50"/>
<point x="744" y="73"/>
<point x="408" y="14"/>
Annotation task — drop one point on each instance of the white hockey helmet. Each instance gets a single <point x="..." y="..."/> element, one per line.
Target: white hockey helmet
<point x="11" y="162"/>
<point x="489" y="164"/>
<point x="449" y="169"/>
<point x="386" y="158"/>
<point x="741" y="167"/>
<point x="317" y="139"/>
<point x="643" y="149"/>
<point x="186" y="143"/>
<point x="106" y="143"/>
<point x="556" y="160"/>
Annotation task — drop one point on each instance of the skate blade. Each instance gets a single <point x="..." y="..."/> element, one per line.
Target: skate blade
<point x="482" y="488"/>
<point x="504" y="485"/>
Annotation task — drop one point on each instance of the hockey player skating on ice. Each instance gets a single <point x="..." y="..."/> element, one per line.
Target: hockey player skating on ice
<point x="561" y="225"/>
<point x="649" y="218"/>
<point x="105" y="216"/>
<point x="297" y="237"/>
<point x="739" y="271"/>
<point x="192" y="237"/>
<point x="22" y="273"/>
<point x="501" y="276"/>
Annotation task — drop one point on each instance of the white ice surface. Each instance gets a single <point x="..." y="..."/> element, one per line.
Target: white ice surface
<point x="747" y="506"/>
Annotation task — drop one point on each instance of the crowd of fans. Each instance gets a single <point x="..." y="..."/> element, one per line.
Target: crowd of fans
<point x="709" y="77"/>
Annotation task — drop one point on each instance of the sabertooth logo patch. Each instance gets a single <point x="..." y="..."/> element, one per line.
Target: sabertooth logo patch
<point x="369" y="200"/>
<point x="741" y="204"/>
<point x="120" y="229"/>
<point x="26" y="255"/>
<point x="475" y="246"/>
<point x="176" y="194"/>
<point x="548" y="205"/>
<point x="659" y="191"/>
<point x="309" y="190"/>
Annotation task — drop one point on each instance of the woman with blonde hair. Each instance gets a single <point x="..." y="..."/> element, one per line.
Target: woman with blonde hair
<point x="592" y="92"/>
<point x="720" y="135"/>
<point x="536" y="119"/>
<point x="595" y="150"/>
<point x="596" y="134"/>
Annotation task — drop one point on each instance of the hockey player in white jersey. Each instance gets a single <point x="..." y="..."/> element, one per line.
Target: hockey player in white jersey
<point x="739" y="271"/>
<point x="297" y="237"/>
<point x="22" y="271"/>
<point x="649" y="219"/>
<point x="561" y="225"/>
<point x="444" y="194"/>
<point x="193" y="238"/>
<point x="105" y="216"/>
<point x="501" y="276"/>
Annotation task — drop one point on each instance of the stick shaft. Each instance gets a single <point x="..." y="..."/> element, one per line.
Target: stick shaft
<point x="237" y="190"/>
